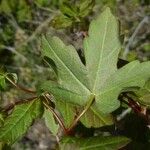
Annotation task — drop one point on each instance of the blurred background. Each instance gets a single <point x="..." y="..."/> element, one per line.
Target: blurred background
<point x="22" y="22"/>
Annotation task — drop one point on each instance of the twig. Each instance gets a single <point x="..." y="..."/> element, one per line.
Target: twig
<point x="13" y="22"/>
<point x="13" y="50"/>
<point x="37" y="68"/>
<point x="45" y="8"/>
<point x="18" y="102"/>
<point x="37" y="31"/>
<point x="20" y="87"/>
<point x="90" y="102"/>
<point x="123" y="114"/>
<point x="135" y="107"/>
<point x="131" y="39"/>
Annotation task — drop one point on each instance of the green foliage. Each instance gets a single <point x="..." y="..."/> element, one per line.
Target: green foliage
<point x="93" y="119"/>
<point x="43" y="2"/>
<point x="144" y="94"/>
<point x="67" y="111"/>
<point x="6" y="6"/>
<point x="61" y="21"/>
<point x="73" y="13"/>
<point x="94" y="143"/>
<point x="2" y="78"/>
<point x="76" y="83"/>
<point x="112" y="4"/>
<point x="17" y="123"/>
<point x="50" y="122"/>
<point x="5" y="76"/>
<point x="23" y="11"/>
<point x="1" y="120"/>
<point x="2" y="82"/>
<point x="20" y="8"/>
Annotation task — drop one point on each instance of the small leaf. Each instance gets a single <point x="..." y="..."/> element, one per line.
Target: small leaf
<point x="17" y="123"/>
<point x="85" y="7"/>
<point x="50" y="122"/>
<point x="61" y="21"/>
<point x="13" y="77"/>
<point x="68" y="10"/>
<point x="94" y="143"/>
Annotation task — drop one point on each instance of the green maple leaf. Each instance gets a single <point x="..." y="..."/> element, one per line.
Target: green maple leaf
<point x="100" y="76"/>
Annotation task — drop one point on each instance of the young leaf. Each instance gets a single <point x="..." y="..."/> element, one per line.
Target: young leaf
<point x="94" y="143"/>
<point x="100" y="76"/>
<point x="85" y="7"/>
<point x="61" y="21"/>
<point x="50" y="122"/>
<point x="68" y="10"/>
<point x="17" y="123"/>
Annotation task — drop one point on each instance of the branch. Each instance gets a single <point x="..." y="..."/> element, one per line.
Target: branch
<point x="45" y="8"/>
<point x="131" y="39"/>
<point x="20" y="87"/>
<point x="37" y="31"/>
<point x="13" y="50"/>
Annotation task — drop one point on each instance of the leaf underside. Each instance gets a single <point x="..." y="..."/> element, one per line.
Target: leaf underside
<point x="76" y="82"/>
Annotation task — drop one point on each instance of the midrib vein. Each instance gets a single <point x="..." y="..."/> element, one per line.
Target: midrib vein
<point x="101" y="54"/>
<point x="68" y="68"/>
<point x="17" y="120"/>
